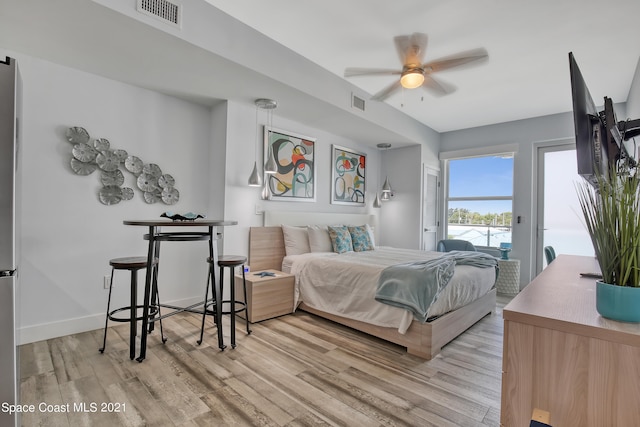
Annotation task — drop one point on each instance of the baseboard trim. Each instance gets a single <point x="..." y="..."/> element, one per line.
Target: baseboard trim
<point x="45" y="331"/>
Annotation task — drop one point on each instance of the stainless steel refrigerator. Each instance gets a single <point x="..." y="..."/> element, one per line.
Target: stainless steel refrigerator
<point x="10" y="106"/>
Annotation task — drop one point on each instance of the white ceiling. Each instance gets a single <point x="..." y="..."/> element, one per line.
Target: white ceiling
<point x="527" y="74"/>
<point x="211" y="58"/>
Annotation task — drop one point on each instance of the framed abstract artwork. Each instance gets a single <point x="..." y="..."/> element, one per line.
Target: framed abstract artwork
<point x="294" y="155"/>
<point x="347" y="176"/>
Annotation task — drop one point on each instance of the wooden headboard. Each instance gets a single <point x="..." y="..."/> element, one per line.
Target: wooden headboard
<point x="266" y="248"/>
<point x="274" y="218"/>
<point x="266" y="244"/>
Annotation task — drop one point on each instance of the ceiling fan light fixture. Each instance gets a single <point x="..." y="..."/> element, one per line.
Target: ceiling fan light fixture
<point x="412" y="78"/>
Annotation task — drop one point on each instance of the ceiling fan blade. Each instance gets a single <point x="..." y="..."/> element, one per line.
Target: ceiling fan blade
<point x="437" y="87"/>
<point x="386" y="92"/>
<point x="411" y="49"/>
<point x="354" y="71"/>
<point x="474" y="56"/>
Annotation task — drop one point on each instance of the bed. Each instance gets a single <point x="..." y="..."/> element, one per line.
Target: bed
<point x="267" y="250"/>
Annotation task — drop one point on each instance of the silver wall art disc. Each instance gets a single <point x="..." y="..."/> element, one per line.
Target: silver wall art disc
<point x="170" y="196"/>
<point x="84" y="152"/>
<point x="166" y="181"/>
<point x="127" y="193"/>
<point x="112" y="178"/>
<point x="121" y="154"/>
<point x="110" y="194"/>
<point x="151" y="197"/>
<point x="81" y="168"/>
<point x="101" y="144"/>
<point x="152" y="169"/>
<point x="107" y="161"/>
<point x="77" y="135"/>
<point x="147" y="182"/>
<point x="134" y="165"/>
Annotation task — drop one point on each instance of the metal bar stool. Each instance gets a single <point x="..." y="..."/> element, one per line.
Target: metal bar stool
<point x="133" y="264"/>
<point x="231" y="262"/>
<point x="209" y="307"/>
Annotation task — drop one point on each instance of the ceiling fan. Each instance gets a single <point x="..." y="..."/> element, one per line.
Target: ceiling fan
<point x="415" y="73"/>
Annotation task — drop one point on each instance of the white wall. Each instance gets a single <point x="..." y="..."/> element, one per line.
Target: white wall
<point x="241" y="200"/>
<point x="68" y="236"/>
<point x="633" y="100"/>
<point x="399" y="220"/>
<point x="401" y="216"/>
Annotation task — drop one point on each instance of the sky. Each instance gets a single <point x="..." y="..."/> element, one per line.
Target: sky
<point x="481" y="176"/>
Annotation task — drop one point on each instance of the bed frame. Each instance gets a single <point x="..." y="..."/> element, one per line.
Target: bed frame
<point x="266" y="250"/>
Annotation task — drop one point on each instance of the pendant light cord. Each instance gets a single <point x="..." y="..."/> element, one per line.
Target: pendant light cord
<point x="255" y="134"/>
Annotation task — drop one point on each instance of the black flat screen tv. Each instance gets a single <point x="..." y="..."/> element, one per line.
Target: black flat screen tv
<point x="592" y="138"/>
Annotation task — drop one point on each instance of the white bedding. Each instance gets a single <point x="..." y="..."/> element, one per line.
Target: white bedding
<point x="345" y="284"/>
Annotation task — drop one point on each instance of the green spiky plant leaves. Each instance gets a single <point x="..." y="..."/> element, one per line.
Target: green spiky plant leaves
<point x="611" y="211"/>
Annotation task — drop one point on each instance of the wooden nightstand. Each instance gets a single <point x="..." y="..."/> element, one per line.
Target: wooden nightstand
<point x="268" y="296"/>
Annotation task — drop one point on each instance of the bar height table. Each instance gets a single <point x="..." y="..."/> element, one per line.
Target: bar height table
<point x="180" y="231"/>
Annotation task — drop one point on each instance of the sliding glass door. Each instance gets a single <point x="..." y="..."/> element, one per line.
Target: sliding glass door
<point x="560" y="223"/>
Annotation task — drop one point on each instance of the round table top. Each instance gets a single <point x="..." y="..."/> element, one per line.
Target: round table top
<point x="163" y="222"/>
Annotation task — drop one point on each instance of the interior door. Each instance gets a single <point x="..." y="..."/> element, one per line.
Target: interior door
<point x="430" y="209"/>
<point x="559" y="215"/>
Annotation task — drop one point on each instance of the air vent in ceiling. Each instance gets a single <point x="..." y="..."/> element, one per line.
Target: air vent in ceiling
<point x="164" y="10"/>
<point x="357" y="102"/>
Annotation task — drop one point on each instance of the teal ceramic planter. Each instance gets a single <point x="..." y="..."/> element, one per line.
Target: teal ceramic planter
<point x="618" y="302"/>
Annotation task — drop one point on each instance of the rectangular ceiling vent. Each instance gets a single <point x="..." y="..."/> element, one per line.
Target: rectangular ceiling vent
<point x="357" y="102"/>
<point x="164" y="10"/>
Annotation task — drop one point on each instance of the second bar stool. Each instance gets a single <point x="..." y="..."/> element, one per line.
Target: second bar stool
<point x="231" y="262"/>
<point x="133" y="264"/>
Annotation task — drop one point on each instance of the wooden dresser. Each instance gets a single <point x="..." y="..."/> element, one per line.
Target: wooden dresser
<point x="561" y="356"/>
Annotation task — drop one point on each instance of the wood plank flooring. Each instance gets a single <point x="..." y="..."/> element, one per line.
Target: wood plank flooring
<point x="295" y="370"/>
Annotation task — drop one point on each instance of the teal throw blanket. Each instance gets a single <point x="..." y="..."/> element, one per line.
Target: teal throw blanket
<point x="416" y="285"/>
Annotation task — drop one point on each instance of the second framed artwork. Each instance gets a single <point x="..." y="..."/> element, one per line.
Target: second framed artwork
<point x="294" y="155"/>
<point x="348" y="182"/>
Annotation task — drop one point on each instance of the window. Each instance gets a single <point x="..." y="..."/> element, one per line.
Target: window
<point x="480" y="199"/>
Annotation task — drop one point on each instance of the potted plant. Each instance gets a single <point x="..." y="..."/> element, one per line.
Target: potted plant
<point x="611" y="210"/>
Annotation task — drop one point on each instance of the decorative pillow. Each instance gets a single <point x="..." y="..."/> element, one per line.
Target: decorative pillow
<point x="296" y="240"/>
<point x="340" y="239"/>
<point x="319" y="240"/>
<point x="360" y="238"/>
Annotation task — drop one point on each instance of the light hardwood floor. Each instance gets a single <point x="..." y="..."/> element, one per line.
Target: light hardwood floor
<point x="295" y="370"/>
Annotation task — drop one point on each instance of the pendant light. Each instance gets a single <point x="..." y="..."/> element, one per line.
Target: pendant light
<point x="269" y="105"/>
<point x="255" y="180"/>
<point x="376" y="202"/>
<point x="386" y="187"/>
<point x="387" y="191"/>
<point x="266" y="192"/>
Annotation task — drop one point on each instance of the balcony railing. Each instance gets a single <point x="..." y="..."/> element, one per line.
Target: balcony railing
<point x="480" y="234"/>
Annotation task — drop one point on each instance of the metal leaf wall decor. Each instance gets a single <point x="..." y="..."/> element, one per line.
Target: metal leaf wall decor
<point x="90" y="155"/>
